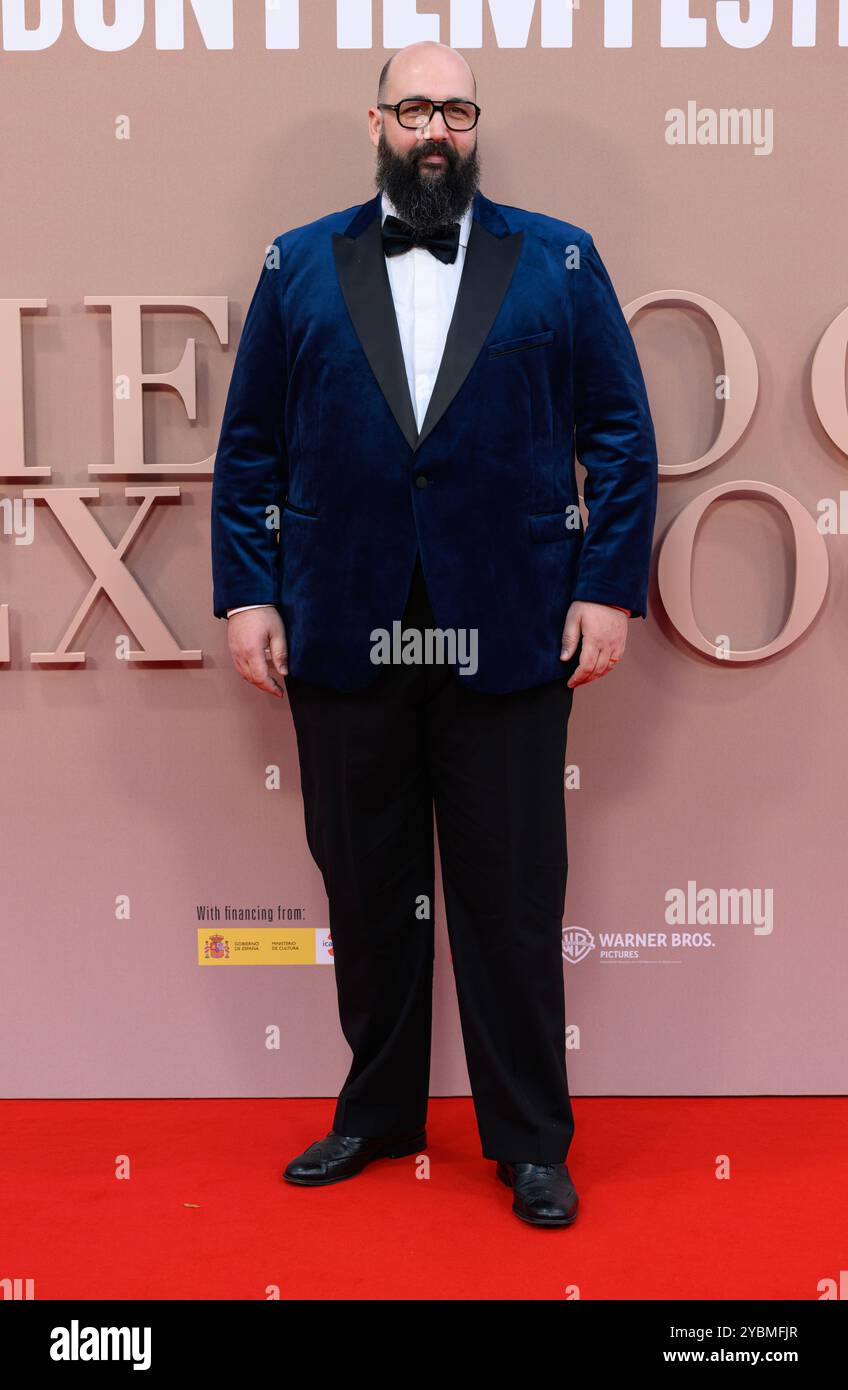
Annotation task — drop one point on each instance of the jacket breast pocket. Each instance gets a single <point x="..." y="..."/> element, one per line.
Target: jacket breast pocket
<point x="529" y="340"/>
<point x="553" y="526"/>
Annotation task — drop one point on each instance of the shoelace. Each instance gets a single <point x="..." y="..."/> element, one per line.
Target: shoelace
<point x="546" y="1167"/>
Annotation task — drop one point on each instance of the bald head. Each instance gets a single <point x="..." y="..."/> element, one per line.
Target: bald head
<point x="427" y="165"/>
<point x="426" y="69"/>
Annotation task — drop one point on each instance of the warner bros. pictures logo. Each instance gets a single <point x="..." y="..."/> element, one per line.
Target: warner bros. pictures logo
<point x="577" y="942"/>
<point x="429" y="646"/>
<point x="216" y="947"/>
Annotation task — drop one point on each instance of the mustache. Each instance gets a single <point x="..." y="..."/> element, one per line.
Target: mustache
<point x="430" y="148"/>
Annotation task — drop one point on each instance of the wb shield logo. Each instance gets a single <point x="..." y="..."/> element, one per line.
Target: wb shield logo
<point x="577" y="942"/>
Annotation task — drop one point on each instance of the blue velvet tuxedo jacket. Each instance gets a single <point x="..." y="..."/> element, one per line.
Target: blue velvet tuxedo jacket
<point x="324" y="488"/>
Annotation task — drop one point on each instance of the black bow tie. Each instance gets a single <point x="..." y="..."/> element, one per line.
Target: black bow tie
<point x="398" y="237"/>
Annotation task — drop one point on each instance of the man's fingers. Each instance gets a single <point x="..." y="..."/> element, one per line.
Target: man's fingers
<point x="261" y="673"/>
<point x="589" y="656"/>
<point x="606" y="659"/>
<point x="259" y="649"/>
<point x="279" y="654"/>
<point x="601" y="651"/>
<point x="570" y="638"/>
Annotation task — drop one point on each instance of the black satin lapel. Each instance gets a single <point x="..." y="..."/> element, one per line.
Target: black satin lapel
<point x="489" y="265"/>
<point x="364" y="279"/>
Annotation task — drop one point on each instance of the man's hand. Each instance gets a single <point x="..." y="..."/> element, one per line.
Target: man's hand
<point x="604" y="630"/>
<point x="257" y="641"/>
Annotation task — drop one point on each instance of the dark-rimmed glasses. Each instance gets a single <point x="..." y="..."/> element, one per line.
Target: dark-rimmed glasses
<point x="414" y="112"/>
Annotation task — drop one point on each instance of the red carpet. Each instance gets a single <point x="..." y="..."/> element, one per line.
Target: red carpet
<point x="205" y="1213"/>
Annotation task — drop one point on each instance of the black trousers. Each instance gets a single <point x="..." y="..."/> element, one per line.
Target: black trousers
<point x="373" y="766"/>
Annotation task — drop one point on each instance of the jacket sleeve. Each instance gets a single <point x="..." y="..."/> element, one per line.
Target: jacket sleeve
<point x="614" y="440"/>
<point x="251" y="469"/>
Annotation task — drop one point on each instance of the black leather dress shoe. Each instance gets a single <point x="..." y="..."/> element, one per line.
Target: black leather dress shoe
<point x="340" y="1156"/>
<point x="544" y="1193"/>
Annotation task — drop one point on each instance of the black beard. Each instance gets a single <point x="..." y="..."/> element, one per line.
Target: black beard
<point x="427" y="201"/>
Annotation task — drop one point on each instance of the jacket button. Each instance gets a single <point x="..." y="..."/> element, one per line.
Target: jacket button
<point x="421" y="481"/>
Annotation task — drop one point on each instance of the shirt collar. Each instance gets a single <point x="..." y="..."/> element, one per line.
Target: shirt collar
<point x="388" y="209"/>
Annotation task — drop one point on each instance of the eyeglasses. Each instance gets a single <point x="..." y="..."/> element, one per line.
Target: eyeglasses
<point x="416" y="111"/>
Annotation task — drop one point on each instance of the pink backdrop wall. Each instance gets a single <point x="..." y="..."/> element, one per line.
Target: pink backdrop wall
<point x="135" y="791"/>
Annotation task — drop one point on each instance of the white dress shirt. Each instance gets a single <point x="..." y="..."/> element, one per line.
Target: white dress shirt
<point x="424" y="291"/>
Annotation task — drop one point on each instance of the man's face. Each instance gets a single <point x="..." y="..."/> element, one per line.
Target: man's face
<point x="430" y="173"/>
